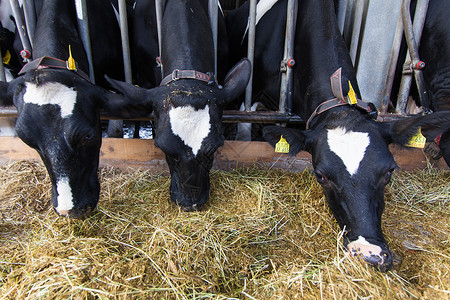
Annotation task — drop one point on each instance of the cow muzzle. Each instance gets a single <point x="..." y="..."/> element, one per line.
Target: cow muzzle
<point x="372" y="254"/>
<point x="75" y="213"/>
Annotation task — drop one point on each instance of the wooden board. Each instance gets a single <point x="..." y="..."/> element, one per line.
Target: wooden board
<point x="130" y="154"/>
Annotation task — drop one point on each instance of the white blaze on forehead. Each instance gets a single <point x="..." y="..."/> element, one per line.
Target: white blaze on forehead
<point x="262" y="7"/>
<point x="79" y="9"/>
<point x="191" y="125"/>
<point x="350" y="146"/>
<point x="65" y="197"/>
<point x="52" y="93"/>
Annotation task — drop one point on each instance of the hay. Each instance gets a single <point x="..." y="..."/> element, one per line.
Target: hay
<point x="264" y="234"/>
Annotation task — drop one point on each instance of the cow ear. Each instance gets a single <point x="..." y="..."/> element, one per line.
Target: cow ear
<point x="127" y="89"/>
<point x="236" y="80"/>
<point x="7" y="91"/>
<point x="401" y="131"/>
<point x="121" y="106"/>
<point x="297" y="139"/>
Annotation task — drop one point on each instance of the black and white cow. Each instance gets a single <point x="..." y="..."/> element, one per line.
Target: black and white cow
<point x="435" y="51"/>
<point x="9" y="58"/>
<point x="59" y="109"/>
<point x="188" y="105"/>
<point x="350" y="153"/>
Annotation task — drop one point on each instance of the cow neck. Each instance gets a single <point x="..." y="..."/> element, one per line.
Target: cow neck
<point x="47" y="62"/>
<point x="341" y="100"/>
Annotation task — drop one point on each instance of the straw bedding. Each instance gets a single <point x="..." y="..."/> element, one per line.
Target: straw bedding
<point x="264" y="234"/>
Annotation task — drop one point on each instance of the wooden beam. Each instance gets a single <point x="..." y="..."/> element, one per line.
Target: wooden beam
<point x="129" y="154"/>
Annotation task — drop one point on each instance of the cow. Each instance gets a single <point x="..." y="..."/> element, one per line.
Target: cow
<point x="189" y="102"/>
<point x="350" y="154"/>
<point x="59" y="108"/>
<point x="8" y="57"/>
<point x="435" y="51"/>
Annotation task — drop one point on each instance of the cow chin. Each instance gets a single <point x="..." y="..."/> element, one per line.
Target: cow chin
<point x="189" y="195"/>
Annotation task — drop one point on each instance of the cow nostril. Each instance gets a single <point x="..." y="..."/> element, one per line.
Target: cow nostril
<point x="190" y="208"/>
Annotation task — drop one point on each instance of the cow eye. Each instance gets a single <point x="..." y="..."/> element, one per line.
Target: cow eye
<point x="388" y="175"/>
<point x="86" y="139"/>
<point x="321" y="178"/>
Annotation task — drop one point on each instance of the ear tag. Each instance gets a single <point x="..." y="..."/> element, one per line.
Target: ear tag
<point x="282" y="146"/>
<point x="70" y="63"/>
<point x="351" y="94"/>
<point x="7" y="57"/>
<point x="417" y="140"/>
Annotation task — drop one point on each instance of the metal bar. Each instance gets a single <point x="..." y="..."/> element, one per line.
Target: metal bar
<point x="261" y="117"/>
<point x="213" y="19"/>
<point x="287" y="75"/>
<point x="250" y="51"/>
<point x="412" y="34"/>
<point x="20" y="25"/>
<point x="159" y="14"/>
<point x="83" y="26"/>
<point x="229" y="116"/>
<point x="125" y="41"/>
<point x="2" y="68"/>
<point x="392" y="65"/>
<point x="341" y="14"/>
<point x="30" y="19"/>
<point x="115" y="127"/>
<point x="361" y="7"/>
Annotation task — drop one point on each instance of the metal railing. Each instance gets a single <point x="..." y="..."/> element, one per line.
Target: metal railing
<point x="284" y="113"/>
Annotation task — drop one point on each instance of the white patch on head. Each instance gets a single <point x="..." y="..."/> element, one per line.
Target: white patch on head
<point x="262" y="7"/>
<point x="65" y="197"/>
<point x="350" y="146"/>
<point x="362" y="247"/>
<point x="52" y="93"/>
<point x="191" y="125"/>
<point x="78" y="7"/>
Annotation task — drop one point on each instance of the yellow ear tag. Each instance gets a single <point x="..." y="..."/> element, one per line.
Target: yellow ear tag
<point x="282" y="146"/>
<point x="351" y="94"/>
<point x="417" y="140"/>
<point x="7" y="57"/>
<point x="71" y="65"/>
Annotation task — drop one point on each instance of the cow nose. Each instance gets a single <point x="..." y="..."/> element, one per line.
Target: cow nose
<point x="189" y="208"/>
<point x="370" y="253"/>
<point x="75" y="213"/>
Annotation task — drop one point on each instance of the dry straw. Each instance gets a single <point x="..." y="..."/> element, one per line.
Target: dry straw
<point x="264" y="234"/>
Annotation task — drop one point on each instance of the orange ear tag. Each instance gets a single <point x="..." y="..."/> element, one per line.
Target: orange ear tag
<point x="282" y="146"/>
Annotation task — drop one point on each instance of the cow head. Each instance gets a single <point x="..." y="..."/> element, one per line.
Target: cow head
<point x="188" y="127"/>
<point x="352" y="162"/>
<point x="58" y="116"/>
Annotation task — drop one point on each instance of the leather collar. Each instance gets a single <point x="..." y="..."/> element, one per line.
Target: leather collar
<point x="189" y="74"/>
<point x="340" y="100"/>
<point x="50" y="62"/>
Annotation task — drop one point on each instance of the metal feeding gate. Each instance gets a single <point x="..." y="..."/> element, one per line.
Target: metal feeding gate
<point x="362" y="22"/>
